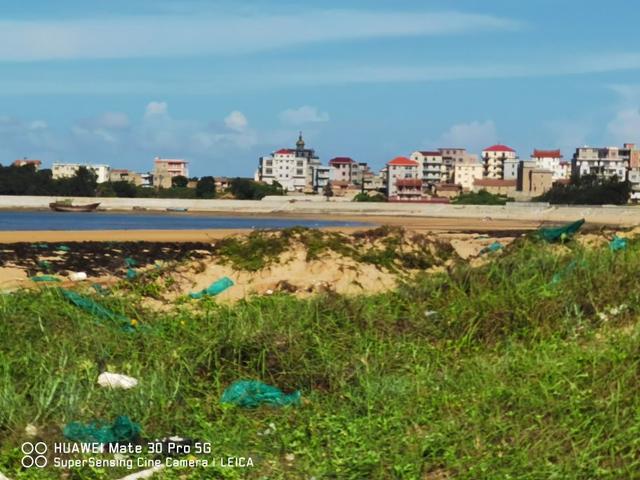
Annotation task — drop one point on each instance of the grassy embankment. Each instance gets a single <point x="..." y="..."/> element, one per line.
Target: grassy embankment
<point x="516" y="376"/>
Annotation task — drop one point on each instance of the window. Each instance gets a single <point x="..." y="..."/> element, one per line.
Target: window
<point x="299" y="171"/>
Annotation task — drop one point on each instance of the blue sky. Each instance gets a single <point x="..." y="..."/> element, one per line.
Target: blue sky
<point x="120" y="82"/>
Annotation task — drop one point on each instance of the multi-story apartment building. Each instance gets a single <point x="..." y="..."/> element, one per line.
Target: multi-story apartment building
<point x="455" y="156"/>
<point x="344" y="169"/>
<point x="604" y="162"/>
<point x="552" y="160"/>
<point x="167" y="168"/>
<point x="403" y="179"/>
<point x="494" y="158"/>
<point x="431" y="168"/>
<point x="293" y="168"/>
<point x="66" y="170"/>
<point x="466" y="172"/>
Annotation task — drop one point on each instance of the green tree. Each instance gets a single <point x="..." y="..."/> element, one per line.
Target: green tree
<point x="327" y="191"/>
<point x="179" y="181"/>
<point x="206" y="188"/>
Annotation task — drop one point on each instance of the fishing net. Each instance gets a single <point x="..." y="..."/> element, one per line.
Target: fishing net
<point x="560" y="233"/>
<point x="252" y="393"/>
<point x="97" y="310"/>
<point x="120" y="431"/>
<point x="215" y="288"/>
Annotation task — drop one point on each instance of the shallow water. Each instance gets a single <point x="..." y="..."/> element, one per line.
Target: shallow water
<point x="20" y="221"/>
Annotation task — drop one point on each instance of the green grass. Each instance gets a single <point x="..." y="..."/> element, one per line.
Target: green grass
<point x="514" y="377"/>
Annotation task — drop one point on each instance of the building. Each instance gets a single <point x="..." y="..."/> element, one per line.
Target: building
<point x="533" y="181"/>
<point x="455" y="156"/>
<point x="344" y="169"/>
<point x="494" y="158"/>
<point x="67" y="170"/>
<point x="431" y="168"/>
<point x="24" y="162"/>
<point x="321" y="176"/>
<point x="123" y="175"/>
<point x="293" y="168"/>
<point x="403" y="180"/>
<point x="604" y="162"/>
<point x="552" y="160"/>
<point x="447" y="190"/>
<point x="495" y="185"/>
<point x="167" y="168"/>
<point x="467" y="172"/>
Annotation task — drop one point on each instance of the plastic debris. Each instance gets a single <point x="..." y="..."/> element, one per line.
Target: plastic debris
<point x="215" y="288"/>
<point x="560" y="233"/>
<point x="31" y="430"/>
<point x="100" y="289"/>
<point x="98" y="310"/>
<point x="77" y="276"/>
<point x="120" y="431"/>
<point x="116" y="380"/>
<point x="252" y="393"/>
<point x="45" y="278"/>
<point x="63" y="248"/>
<point x="45" y="265"/>
<point x="141" y="475"/>
<point x="130" y="262"/>
<point x="618" y="243"/>
<point x="131" y="274"/>
<point x="430" y="313"/>
<point x="494" y="247"/>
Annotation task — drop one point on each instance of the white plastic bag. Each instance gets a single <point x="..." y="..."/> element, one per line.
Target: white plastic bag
<point x="116" y="380"/>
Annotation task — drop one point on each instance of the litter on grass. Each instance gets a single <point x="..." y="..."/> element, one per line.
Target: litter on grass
<point x="116" y="380"/>
<point x="553" y="234"/>
<point x="98" y="310"/>
<point x="494" y="247"/>
<point x="252" y="394"/>
<point x="45" y="278"/>
<point x="130" y="262"/>
<point x="123" y="429"/>
<point x="215" y="288"/>
<point x="77" y="276"/>
<point x="131" y="274"/>
<point x="618" y="243"/>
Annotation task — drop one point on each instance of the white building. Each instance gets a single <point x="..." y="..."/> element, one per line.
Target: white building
<point x="494" y="159"/>
<point x="67" y="170"/>
<point x="604" y="162"/>
<point x="431" y="167"/>
<point x="467" y="172"/>
<point x="292" y="168"/>
<point x="552" y="160"/>
<point x="454" y="156"/>
<point x="403" y="179"/>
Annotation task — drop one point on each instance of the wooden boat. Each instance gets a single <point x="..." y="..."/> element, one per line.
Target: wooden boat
<point x="177" y="209"/>
<point x="64" y="207"/>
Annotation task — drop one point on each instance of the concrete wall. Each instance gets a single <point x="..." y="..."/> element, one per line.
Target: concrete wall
<point x="626" y="215"/>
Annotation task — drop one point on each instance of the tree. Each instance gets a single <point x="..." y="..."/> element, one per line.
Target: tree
<point x="589" y="190"/>
<point x="82" y="184"/>
<point x="179" y="181"/>
<point x="327" y="191"/>
<point x="125" y="189"/>
<point x="206" y="188"/>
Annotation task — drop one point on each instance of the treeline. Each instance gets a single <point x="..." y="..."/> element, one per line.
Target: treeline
<point x="589" y="190"/>
<point x="26" y="180"/>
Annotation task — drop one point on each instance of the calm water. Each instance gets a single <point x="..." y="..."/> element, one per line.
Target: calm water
<point x="144" y="221"/>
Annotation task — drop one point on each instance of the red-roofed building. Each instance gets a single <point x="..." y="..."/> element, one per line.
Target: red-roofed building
<point x="343" y="169"/>
<point x="21" y="163"/>
<point x="552" y="160"/>
<point x="500" y="162"/>
<point x="403" y="180"/>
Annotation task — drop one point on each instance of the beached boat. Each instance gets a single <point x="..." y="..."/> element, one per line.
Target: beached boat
<point x="177" y="209"/>
<point x="66" y="207"/>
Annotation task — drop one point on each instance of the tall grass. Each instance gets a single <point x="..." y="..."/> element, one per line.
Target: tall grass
<point x="517" y="375"/>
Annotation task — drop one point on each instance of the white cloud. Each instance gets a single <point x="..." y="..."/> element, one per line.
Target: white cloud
<point x="236" y="121"/>
<point x="304" y="114"/>
<point x="472" y="135"/>
<point x="625" y="126"/>
<point x="217" y="32"/>
<point x="156" y="109"/>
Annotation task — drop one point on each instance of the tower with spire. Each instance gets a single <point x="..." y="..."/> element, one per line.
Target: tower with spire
<point x="300" y="143"/>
